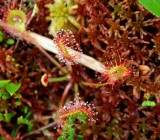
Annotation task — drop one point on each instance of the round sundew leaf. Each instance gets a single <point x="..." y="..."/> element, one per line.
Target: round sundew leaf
<point x="17" y="19"/>
<point x="3" y="83"/>
<point x="12" y="87"/>
<point x="152" y="5"/>
<point x="10" y="41"/>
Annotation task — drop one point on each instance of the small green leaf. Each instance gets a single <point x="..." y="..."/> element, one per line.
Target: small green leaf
<point x="1" y="38"/>
<point x="65" y="128"/>
<point x="14" y="131"/>
<point x="18" y="103"/>
<point x="152" y="5"/>
<point x="30" y="127"/>
<point x="148" y="103"/>
<point x="82" y="117"/>
<point x="21" y="120"/>
<point x="152" y="103"/>
<point x="5" y="95"/>
<point x="25" y="109"/>
<point x="1" y="116"/>
<point x="60" y="138"/>
<point x="80" y="137"/>
<point x="65" y="134"/>
<point x="10" y="41"/>
<point x="1" y="93"/>
<point x="71" y="131"/>
<point x="18" y="96"/>
<point x="70" y="138"/>
<point x="12" y="87"/>
<point x="145" y="103"/>
<point x="3" y="83"/>
<point x="28" y="115"/>
<point x="8" y="116"/>
<point x="71" y="121"/>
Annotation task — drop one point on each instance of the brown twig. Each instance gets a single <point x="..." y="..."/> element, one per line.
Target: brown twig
<point x="38" y="130"/>
<point x="65" y="92"/>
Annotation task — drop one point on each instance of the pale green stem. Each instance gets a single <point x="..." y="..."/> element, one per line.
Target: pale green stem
<point x="76" y="89"/>
<point x="59" y="79"/>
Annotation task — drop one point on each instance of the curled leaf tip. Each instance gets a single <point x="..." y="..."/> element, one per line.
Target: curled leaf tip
<point x="44" y="80"/>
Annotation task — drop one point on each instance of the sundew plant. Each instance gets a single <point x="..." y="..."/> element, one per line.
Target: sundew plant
<point x="79" y="70"/>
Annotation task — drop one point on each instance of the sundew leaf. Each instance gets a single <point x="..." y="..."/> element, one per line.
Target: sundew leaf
<point x="3" y="83"/>
<point x="12" y="88"/>
<point x="152" y="5"/>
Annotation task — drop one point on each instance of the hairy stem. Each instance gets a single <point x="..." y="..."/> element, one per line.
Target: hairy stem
<point x="44" y="43"/>
<point x="83" y="59"/>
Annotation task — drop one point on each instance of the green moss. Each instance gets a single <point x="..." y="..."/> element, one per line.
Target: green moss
<point x="60" y="16"/>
